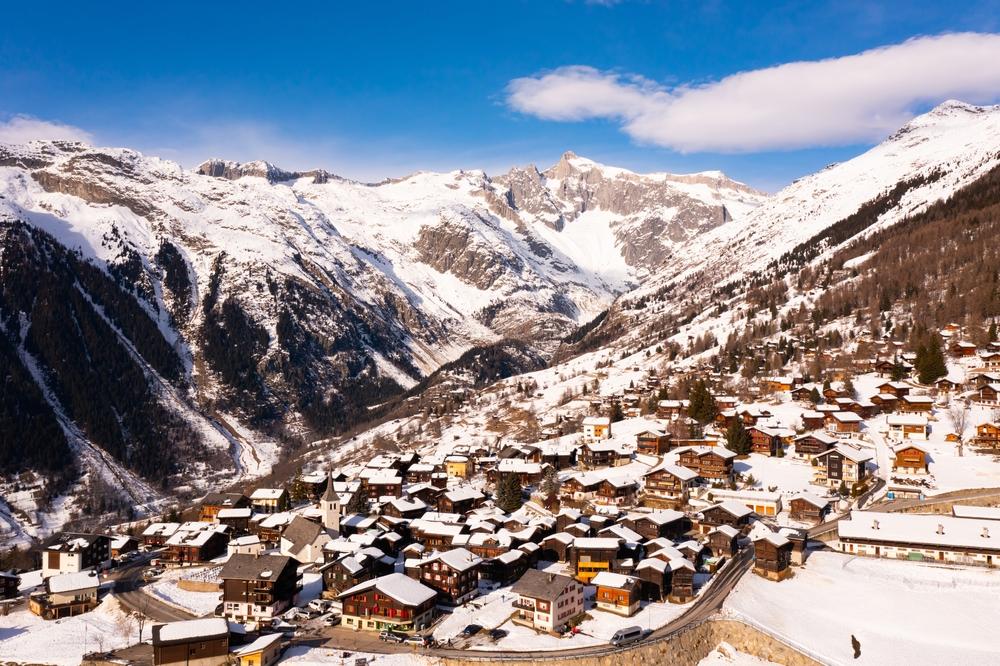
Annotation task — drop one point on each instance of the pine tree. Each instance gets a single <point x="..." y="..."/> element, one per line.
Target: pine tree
<point x="738" y="437"/>
<point x="357" y="504"/>
<point x="615" y="413"/>
<point x="702" y="406"/>
<point x="550" y="483"/>
<point x="814" y="396"/>
<point x="508" y="497"/>
<point x="993" y="332"/>
<point x="933" y="365"/>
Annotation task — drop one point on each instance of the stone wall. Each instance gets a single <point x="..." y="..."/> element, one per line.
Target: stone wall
<point x="685" y="649"/>
<point x="192" y="585"/>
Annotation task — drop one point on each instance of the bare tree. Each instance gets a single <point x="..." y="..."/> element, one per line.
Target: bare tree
<point x="958" y="413"/>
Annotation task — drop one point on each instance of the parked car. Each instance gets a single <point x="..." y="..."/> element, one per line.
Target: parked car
<point x="391" y="637"/>
<point x="321" y="605"/>
<point x="417" y="639"/>
<point x="471" y="630"/>
<point x="497" y="634"/>
<point x="333" y="621"/>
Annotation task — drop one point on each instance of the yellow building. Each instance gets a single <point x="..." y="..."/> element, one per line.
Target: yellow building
<point x="262" y="652"/>
<point x="458" y="466"/>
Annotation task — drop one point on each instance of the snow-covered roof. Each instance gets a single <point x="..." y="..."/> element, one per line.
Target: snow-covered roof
<point x="70" y="582"/>
<point x="267" y="494"/>
<point x="459" y="559"/>
<point x="191" y="630"/>
<point x="609" y="579"/>
<point x="849" y="452"/>
<point x="596" y="542"/>
<point x="816" y="501"/>
<point x="262" y="643"/>
<point x="400" y="587"/>
<point x="160" y="529"/>
<point x="921" y="529"/>
<point x="597" y="421"/>
<point x="245" y="512"/>
<point x="847" y="417"/>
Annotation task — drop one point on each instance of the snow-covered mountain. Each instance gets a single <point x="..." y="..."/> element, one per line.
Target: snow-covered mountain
<point x="928" y="159"/>
<point x="282" y="305"/>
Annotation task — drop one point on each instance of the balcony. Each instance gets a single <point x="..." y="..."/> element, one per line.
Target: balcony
<point x="524" y="605"/>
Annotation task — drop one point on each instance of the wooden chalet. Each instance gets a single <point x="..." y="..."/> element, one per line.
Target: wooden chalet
<point x="656" y="524"/>
<point x="732" y="513"/>
<point x="454" y="574"/>
<point x="723" y="541"/>
<point x="842" y="464"/>
<point x="9" y="584"/>
<point x="987" y="435"/>
<point x="765" y="441"/>
<point x="195" y="542"/>
<point x="670" y="483"/>
<point x="616" y="593"/>
<point x="808" y="507"/>
<point x="773" y="557"/>
<point x="393" y="602"/>
<point x="652" y="442"/>
<point x="811" y="445"/>
<point x="213" y="503"/>
<point x="915" y="404"/>
<point x="201" y="642"/>
<point x="910" y="459"/>
<point x="258" y="588"/>
<point x="709" y="462"/>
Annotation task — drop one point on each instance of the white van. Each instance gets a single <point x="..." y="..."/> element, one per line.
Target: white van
<point x="627" y="636"/>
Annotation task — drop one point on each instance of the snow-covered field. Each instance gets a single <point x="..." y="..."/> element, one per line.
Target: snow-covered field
<point x="901" y="612"/>
<point x="27" y="638"/>
<point x="167" y="590"/>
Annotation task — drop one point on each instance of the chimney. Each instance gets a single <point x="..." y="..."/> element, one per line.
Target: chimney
<point x="940" y="529"/>
<point x="552" y="578"/>
<point x="874" y="524"/>
<point x="986" y="533"/>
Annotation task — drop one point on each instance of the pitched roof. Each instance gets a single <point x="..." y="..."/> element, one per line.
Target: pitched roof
<point x="400" y="587"/>
<point x="242" y="566"/>
<point x="541" y="585"/>
<point x="186" y="631"/>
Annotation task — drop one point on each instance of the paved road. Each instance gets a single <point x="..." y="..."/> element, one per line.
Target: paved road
<point x="704" y="607"/>
<point x="128" y="590"/>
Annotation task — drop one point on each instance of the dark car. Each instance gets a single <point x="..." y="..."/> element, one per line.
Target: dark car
<point x="497" y="634"/>
<point x="471" y="630"/>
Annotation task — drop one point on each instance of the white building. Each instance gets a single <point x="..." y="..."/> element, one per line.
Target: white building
<point x="921" y="537"/>
<point x="546" y="601"/>
<point x="596" y="428"/>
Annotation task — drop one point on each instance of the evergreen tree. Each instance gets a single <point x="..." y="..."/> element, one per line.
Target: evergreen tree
<point x="993" y="332"/>
<point x="702" y="406"/>
<point x="932" y="366"/>
<point x="814" y="396"/>
<point x="357" y="504"/>
<point x="550" y="483"/>
<point x="849" y="388"/>
<point x="615" y="413"/>
<point x="508" y="497"/>
<point x="738" y="437"/>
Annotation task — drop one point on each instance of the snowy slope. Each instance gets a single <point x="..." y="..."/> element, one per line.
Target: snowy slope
<point x="957" y="142"/>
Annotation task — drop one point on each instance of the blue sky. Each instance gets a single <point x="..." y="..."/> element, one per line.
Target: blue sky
<point x="370" y="90"/>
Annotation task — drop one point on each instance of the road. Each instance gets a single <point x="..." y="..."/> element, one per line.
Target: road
<point x="703" y="608"/>
<point x="128" y="590"/>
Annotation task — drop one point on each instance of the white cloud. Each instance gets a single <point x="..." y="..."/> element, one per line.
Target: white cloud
<point x="838" y="101"/>
<point x="21" y="129"/>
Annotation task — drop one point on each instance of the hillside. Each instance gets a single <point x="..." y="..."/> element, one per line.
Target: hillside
<point x="239" y="311"/>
